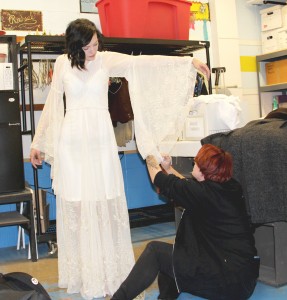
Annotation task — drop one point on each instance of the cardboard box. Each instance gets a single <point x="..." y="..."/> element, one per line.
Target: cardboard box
<point x="272" y="73"/>
<point x="282" y="38"/>
<point x="276" y="72"/>
<point x="282" y="66"/>
<point x="271" y="18"/>
<point x="269" y="40"/>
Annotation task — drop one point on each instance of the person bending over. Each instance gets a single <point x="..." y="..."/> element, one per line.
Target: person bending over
<point x="214" y="255"/>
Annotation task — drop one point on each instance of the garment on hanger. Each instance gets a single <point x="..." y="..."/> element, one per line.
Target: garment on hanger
<point x="119" y="101"/>
<point x="123" y="133"/>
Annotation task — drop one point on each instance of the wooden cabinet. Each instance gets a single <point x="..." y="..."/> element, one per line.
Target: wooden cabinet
<point x="267" y="91"/>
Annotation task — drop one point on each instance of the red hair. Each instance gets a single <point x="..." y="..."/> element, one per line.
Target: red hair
<point x="214" y="163"/>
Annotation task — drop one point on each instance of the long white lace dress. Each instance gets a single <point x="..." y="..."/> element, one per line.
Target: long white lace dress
<point x="95" y="251"/>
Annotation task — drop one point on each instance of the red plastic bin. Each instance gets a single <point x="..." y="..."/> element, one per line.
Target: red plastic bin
<point x="158" y="19"/>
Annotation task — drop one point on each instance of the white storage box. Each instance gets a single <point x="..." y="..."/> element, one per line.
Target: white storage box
<point x="269" y="40"/>
<point x="194" y="127"/>
<point x="282" y="38"/>
<point x="211" y="114"/>
<point x="271" y="18"/>
<point x="284" y="15"/>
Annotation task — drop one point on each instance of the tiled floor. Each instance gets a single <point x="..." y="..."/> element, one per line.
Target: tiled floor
<point x="46" y="267"/>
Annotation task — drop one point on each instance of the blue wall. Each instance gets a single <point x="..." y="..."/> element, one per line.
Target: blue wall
<point x="139" y="191"/>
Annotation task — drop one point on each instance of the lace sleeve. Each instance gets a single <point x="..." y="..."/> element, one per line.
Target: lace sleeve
<point x="161" y="91"/>
<point x="48" y="128"/>
<point x="117" y="64"/>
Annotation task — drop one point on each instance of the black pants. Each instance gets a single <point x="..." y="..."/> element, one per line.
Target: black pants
<point x="156" y="260"/>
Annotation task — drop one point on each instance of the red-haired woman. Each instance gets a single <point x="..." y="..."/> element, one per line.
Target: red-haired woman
<point x="214" y="254"/>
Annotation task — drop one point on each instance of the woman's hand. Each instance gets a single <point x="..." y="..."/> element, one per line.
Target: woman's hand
<point x="166" y="162"/>
<point x="35" y="158"/>
<point x="152" y="166"/>
<point x="200" y="66"/>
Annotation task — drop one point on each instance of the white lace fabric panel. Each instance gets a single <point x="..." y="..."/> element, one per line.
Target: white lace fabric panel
<point x="94" y="255"/>
<point x="161" y="91"/>
<point x="49" y="126"/>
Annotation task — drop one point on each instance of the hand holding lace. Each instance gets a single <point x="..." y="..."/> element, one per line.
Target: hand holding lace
<point x="200" y="66"/>
<point x="152" y="166"/>
<point x="166" y="162"/>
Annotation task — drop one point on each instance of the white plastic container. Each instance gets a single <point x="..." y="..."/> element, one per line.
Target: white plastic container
<point x="211" y="114"/>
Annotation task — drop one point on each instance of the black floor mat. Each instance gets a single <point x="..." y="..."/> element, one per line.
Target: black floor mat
<point x="151" y="215"/>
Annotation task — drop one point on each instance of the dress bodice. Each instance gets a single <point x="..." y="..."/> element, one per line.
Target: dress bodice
<point x="86" y="88"/>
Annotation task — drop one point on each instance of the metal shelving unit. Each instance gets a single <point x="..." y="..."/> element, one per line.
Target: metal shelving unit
<point x="158" y="47"/>
<point x="269" y="237"/>
<point x="262" y="87"/>
<point x="36" y="45"/>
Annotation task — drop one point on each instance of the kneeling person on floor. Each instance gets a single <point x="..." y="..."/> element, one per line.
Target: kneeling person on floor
<point x="214" y="254"/>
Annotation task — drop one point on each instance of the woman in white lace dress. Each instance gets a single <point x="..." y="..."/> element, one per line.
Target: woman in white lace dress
<point x="95" y="251"/>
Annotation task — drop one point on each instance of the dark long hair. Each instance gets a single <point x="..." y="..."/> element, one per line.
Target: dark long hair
<point x="79" y="34"/>
<point x="214" y="163"/>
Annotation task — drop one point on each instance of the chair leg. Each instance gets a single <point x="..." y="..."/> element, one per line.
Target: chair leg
<point x="21" y="232"/>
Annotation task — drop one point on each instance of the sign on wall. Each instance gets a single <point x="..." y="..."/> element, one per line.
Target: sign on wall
<point x="88" y="6"/>
<point x="200" y="11"/>
<point x="21" y="20"/>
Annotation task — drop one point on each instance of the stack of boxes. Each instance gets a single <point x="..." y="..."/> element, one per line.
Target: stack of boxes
<point x="274" y="38"/>
<point x="274" y="28"/>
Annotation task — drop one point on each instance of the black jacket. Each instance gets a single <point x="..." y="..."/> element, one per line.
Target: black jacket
<point x="260" y="166"/>
<point x="214" y="246"/>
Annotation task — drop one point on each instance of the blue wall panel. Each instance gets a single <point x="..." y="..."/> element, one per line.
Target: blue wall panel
<point x="139" y="190"/>
<point x="8" y="235"/>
